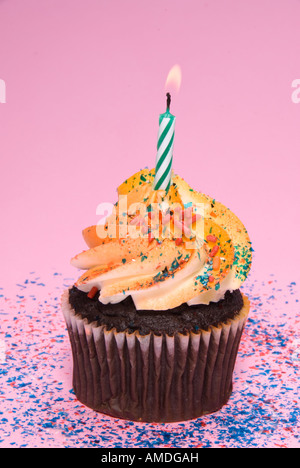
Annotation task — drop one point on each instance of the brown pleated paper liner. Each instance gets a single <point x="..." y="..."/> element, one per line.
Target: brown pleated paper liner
<point x="153" y="378"/>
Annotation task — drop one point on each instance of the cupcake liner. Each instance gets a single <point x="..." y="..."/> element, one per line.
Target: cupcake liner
<point x="153" y="378"/>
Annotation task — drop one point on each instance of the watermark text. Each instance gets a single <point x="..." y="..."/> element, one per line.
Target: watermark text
<point x="2" y="351"/>
<point x="296" y="92"/>
<point x="2" y="92"/>
<point x="155" y="220"/>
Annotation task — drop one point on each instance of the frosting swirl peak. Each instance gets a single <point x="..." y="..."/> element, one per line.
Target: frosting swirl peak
<point x="164" y="249"/>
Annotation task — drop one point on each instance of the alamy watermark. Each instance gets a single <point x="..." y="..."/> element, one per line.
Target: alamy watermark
<point x="2" y="351"/>
<point x="155" y="220"/>
<point x="2" y="92"/>
<point x="295" y="352"/>
<point x="296" y="92"/>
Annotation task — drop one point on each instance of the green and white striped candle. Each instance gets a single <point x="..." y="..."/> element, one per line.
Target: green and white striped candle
<point x="165" y="144"/>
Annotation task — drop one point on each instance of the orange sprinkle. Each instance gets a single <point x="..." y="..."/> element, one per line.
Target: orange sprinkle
<point x="151" y="215"/>
<point x="216" y="263"/>
<point x="211" y="238"/>
<point x="92" y="292"/>
<point x="178" y="241"/>
<point x="150" y="237"/>
<point x="213" y="214"/>
<point x="195" y="218"/>
<point x="214" y="250"/>
<point x="211" y="279"/>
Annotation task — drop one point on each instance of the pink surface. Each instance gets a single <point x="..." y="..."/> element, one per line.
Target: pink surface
<point x="38" y="407"/>
<point x="84" y="89"/>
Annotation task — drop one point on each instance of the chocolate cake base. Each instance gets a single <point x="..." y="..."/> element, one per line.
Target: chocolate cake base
<point x="143" y="373"/>
<point x="123" y="316"/>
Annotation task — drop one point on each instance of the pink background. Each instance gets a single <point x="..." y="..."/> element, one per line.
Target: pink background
<point x="85" y="85"/>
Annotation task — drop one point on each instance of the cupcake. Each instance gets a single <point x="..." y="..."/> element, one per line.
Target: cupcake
<point x="156" y="319"/>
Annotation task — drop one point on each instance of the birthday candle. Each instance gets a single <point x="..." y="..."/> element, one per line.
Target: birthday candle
<point x="165" y="144"/>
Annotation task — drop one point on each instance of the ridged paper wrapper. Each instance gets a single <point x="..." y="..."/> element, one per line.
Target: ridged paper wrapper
<point x="153" y="378"/>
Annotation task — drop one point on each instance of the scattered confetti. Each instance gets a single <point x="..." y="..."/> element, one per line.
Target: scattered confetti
<point x="38" y="407"/>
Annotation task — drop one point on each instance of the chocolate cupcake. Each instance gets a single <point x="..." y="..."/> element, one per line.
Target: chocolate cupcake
<point x="156" y="320"/>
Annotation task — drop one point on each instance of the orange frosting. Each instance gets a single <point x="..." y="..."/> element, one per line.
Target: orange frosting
<point x="166" y="248"/>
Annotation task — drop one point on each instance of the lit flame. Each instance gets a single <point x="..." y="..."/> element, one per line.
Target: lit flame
<point x="174" y="79"/>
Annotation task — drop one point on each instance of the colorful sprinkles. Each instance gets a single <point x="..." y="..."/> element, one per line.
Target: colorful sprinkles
<point x="92" y="292"/>
<point x="39" y="409"/>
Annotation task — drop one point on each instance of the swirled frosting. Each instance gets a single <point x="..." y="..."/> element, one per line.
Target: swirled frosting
<point x="164" y="249"/>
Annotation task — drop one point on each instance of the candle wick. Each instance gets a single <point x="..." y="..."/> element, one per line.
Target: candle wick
<point x="168" y="101"/>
